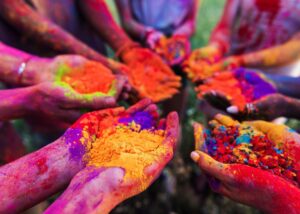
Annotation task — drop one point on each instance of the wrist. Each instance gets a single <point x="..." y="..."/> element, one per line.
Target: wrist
<point x="35" y="71"/>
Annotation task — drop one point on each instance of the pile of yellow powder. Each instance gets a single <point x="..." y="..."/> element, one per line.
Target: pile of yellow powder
<point x="127" y="147"/>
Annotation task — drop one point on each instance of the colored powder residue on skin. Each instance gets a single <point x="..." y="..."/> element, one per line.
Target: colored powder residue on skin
<point x="129" y="143"/>
<point x="172" y="50"/>
<point x="245" y="145"/>
<point x="240" y="87"/>
<point x="92" y="77"/>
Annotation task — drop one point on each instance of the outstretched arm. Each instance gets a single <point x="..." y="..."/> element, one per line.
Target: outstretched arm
<point x="133" y="28"/>
<point x="31" y="179"/>
<point x="96" y="10"/>
<point x="221" y="34"/>
<point x="283" y="54"/>
<point x="189" y="26"/>
<point x="24" y="18"/>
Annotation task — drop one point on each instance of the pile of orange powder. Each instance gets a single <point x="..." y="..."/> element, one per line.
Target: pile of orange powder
<point x="92" y="77"/>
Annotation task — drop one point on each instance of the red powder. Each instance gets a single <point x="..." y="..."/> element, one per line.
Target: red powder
<point x="271" y="7"/>
<point x="259" y="151"/>
<point x="92" y="77"/>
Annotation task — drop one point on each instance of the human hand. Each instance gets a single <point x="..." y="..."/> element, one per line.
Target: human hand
<point x="149" y="75"/>
<point x="115" y="175"/>
<point x="199" y="59"/>
<point x="153" y="37"/>
<point x="268" y="108"/>
<point x="80" y="73"/>
<point x="244" y="183"/>
<point x="204" y="62"/>
<point x="174" y="49"/>
<point x="235" y="88"/>
<point x="62" y="102"/>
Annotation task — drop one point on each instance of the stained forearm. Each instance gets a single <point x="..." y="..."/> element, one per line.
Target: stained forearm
<point x="275" y="56"/>
<point x="99" y="16"/>
<point x="24" y="18"/>
<point x="286" y="85"/>
<point x="14" y="103"/>
<point x="36" y="176"/>
<point x="92" y="190"/>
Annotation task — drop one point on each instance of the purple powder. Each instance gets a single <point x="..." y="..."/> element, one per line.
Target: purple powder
<point x="252" y="84"/>
<point x="76" y="148"/>
<point x="144" y="119"/>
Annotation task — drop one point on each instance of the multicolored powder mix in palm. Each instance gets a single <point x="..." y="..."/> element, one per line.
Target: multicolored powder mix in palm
<point x="240" y="87"/>
<point x="173" y="50"/>
<point x="245" y="145"/>
<point x="90" y="78"/>
<point x="132" y="142"/>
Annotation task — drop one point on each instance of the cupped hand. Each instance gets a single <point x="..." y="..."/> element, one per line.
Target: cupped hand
<point x="62" y="102"/>
<point x="173" y="50"/>
<point x="243" y="183"/>
<point x="234" y="90"/>
<point x="204" y="62"/>
<point x="109" y="185"/>
<point x="149" y="75"/>
<point x="54" y="70"/>
<point x="268" y="108"/>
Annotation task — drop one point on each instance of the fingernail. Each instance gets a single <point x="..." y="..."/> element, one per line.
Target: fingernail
<point x="232" y="109"/>
<point x="195" y="156"/>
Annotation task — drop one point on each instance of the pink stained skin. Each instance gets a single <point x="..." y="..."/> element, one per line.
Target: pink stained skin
<point x="261" y="47"/>
<point x="34" y="177"/>
<point x="48" y="99"/>
<point x="38" y="69"/>
<point x="11" y="147"/>
<point x="248" y="185"/>
<point x="52" y="167"/>
<point x="38" y="27"/>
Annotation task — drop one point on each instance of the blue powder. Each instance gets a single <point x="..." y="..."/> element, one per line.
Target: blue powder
<point x="243" y="139"/>
<point x="144" y="119"/>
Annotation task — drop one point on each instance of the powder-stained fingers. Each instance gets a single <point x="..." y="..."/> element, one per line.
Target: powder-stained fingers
<point x="161" y="124"/>
<point x="172" y="129"/>
<point x="121" y="81"/>
<point x="140" y="106"/>
<point x="212" y="167"/>
<point x="226" y="120"/>
<point x="153" y="110"/>
<point x="217" y="99"/>
<point x="199" y="137"/>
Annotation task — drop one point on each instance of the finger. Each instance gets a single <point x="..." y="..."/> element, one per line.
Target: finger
<point x="217" y="99"/>
<point x="172" y="129"/>
<point x="120" y="85"/>
<point x="210" y="166"/>
<point x="162" y="124"/>
<point x="153" y="110"/>
<point x="140" y="106"/>
<point x="199" y="137"/>
<point x="226" y="120"/>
